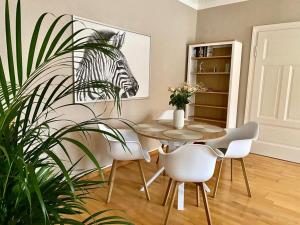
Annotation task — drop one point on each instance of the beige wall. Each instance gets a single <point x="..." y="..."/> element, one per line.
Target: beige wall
<point x="170" y="24"/>
<point x="236" y="21"/>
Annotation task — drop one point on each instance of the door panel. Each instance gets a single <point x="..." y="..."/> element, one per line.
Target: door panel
<point x="275" y="94"/>
<point x="293" y="96"/>
<point x="269" y="92"/>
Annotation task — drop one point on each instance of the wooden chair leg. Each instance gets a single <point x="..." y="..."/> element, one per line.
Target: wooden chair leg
<point x="144" y="180"/>
<point x="157" y="160"/>
<point x="198" y="195"/>
<point x="111" y="180"/>
<point x="171" y="202"/>
<point x="246" y="178"/>
<point x="231" y="174"/>
<point x="218" y="179"/>
<point x="207" y="211"/>
<point x="170" y="184"/>
<point x="166" y="148"/>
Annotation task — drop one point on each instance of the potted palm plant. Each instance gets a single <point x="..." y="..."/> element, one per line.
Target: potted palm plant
<point x="36" y="187"/>
<point x="180" y="97"/>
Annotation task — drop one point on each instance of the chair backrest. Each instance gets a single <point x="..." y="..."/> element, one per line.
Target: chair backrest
<point x="190" y="163"/>
<point x="240" y="140"/>
<point x="248" y="131"/>
<point x="166" y="115"/>
<point x="107" y="129"/>
<point x="133" y="149"/>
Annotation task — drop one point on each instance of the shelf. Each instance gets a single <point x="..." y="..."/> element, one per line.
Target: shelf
<point x="212" y="73"/>
<point x="213" y="57"/>
<point x="209" y="106"/>
<point x="208" y="119"/>
<point x="214" y="92"/>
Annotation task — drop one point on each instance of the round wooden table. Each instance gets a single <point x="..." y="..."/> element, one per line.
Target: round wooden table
<point x="166" y="133"/>
<point x="192" y="131"/>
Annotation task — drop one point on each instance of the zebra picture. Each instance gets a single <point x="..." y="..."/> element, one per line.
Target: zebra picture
<point x="96" y="66"/>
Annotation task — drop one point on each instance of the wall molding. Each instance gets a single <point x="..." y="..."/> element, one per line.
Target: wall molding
<point x="205" y="4"/>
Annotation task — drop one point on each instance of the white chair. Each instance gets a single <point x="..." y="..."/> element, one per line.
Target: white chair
<point x="166" y="115"/>
<point x="236" y="144"/>
<point x="189" y="163"/>
<point x="119" y="152"/>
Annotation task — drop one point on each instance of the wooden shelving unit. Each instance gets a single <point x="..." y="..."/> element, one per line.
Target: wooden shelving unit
<point x="211" y="73"/>
<point x="209" y="106"/>
<point x="197" y="118"/>
<point x="214" y="92"/>
<point x="217" y="65"/>
<point x="212" y="57"/>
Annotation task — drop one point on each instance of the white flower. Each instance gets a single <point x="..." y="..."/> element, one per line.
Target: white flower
<point x="171" y="89"/>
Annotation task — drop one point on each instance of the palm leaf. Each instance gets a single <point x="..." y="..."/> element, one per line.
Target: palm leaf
<point x="33" y="42"/>
<point x="41" y="188"/>
<point x="19" y="44"/>
<point x="10" y="57"/>
<point x="46" y="40"/>
<point x="4" y="86"/>
<point x="57" y="39"/>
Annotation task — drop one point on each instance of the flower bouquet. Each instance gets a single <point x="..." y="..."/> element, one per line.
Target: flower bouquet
<point x="180" y="97"/>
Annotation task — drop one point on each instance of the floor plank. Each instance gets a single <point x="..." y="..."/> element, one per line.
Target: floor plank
<point x="275" y="187"/>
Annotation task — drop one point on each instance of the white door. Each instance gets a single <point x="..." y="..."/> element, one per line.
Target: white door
<point x="273" y="97"/>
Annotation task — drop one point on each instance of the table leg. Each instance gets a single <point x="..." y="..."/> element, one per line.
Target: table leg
<point x="180" y="203"/>
<point x="153" y="178"/>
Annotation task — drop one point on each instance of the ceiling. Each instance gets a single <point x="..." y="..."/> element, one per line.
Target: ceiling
<point x="204" y="4"/>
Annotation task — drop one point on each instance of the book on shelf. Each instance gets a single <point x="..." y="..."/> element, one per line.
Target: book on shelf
<point x="206" y="51"/>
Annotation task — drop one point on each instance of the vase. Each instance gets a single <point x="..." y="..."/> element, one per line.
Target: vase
<point x="178" y="118"/>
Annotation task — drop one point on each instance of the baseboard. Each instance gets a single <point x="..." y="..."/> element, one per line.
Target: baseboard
<point x="276" y="153"/>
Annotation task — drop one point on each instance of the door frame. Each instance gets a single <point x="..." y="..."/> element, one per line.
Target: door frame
<point x="253" y="52"/>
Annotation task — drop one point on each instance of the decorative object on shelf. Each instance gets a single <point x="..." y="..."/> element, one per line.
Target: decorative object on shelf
<point x="179" y="98"/>
<point x="196" y="52"/>
<point x="128" y="70"/>
<point x="202" y="87"/>
<point x="201" y="67"/>
<point x="209" y="51"/>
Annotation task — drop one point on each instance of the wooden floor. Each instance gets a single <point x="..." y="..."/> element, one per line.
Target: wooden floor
<point x="275" y="188"/>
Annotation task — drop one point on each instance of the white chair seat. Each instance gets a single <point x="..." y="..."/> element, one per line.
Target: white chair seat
<point x="144" y="154"/>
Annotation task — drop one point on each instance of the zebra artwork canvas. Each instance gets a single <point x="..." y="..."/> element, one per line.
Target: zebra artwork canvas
<point x="128" y="69"/>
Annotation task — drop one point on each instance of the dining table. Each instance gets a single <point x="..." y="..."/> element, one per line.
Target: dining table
<point x="164" y="131"/>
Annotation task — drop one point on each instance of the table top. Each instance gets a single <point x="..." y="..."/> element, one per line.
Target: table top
<point x="192" y="131"/>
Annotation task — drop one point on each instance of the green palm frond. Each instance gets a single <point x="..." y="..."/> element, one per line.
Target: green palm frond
<point x="36" y="186"/>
